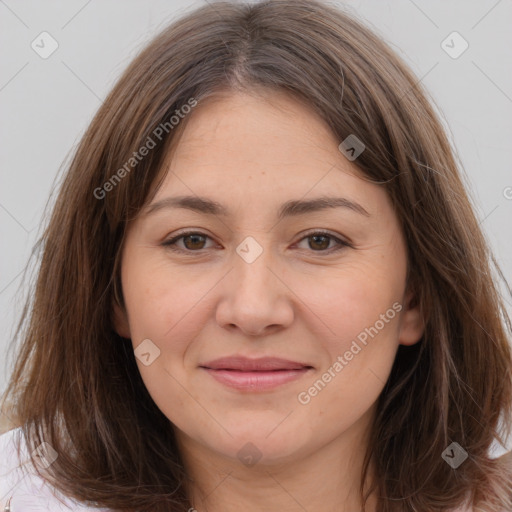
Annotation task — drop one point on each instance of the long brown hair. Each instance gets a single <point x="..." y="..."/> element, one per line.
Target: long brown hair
<point x="76" y="385"/>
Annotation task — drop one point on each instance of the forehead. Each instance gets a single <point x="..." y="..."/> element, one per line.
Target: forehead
<point x="267" y="149"/>
<point x="256" y="125"/>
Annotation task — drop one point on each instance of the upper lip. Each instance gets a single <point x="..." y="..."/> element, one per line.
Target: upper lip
<point x="261" y="364"/>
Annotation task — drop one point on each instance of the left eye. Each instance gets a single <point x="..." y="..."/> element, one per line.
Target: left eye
<point x="322" y="241"/>
<point x="194" y="242"/>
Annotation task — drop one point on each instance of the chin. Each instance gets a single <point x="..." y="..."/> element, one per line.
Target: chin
<point x="252" y="445"/>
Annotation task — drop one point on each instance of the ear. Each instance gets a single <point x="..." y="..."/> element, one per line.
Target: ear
<point x="120" y="320"/>
<point x="412" y="324"/>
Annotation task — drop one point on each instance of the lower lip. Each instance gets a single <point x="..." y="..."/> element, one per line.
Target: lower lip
<point x="256" y="381"/>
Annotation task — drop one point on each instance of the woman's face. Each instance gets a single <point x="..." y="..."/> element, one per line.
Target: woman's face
<point x="270" y="272"/>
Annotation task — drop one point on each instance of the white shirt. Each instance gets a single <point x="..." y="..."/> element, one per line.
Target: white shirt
<point x="25" y="491"/>
<point x="22" y="489"/>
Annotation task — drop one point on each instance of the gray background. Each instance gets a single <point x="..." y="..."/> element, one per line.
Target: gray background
<point x="46" y="104"/>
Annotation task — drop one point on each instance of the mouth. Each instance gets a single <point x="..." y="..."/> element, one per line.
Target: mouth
<point x="254" y="375"/>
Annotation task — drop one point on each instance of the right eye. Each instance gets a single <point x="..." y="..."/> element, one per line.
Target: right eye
<point x="191" y="240"/>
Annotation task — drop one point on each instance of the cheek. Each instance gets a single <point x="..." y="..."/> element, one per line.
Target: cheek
<point x="352" y="301"/>
<point x="160" y="299"/>
<point x="360" y="310"/>
<point x="164" y="306"/>
<point x="363" y="318"/>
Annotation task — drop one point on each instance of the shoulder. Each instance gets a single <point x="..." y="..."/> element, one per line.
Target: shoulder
<point x="22" y="488"/>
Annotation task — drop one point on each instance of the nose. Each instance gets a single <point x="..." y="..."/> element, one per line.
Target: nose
<point x="255" y="298"/>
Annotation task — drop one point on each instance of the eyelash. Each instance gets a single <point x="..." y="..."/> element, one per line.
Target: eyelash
<point x="171" y="244"/>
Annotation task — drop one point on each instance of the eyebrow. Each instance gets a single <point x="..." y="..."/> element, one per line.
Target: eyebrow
<point x="290" y="208"/>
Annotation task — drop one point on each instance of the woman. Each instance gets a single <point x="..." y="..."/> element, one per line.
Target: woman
<point x="262" y="287"/>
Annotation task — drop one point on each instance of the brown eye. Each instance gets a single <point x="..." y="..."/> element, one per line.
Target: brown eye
<point x="192" y="242"/>
<point x="319" y="241"/>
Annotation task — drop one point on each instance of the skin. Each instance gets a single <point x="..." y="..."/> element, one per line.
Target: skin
<point x="297" y="300"/>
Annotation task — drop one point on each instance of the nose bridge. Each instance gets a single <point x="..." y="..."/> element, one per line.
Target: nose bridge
<point x="252" y="262"/>
<point x="254" y="298"/>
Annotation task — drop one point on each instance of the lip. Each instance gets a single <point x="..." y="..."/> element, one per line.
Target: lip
<point x="254" y="375"/>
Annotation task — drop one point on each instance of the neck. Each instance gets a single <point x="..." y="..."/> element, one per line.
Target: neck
<point x="327" y="478"/>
